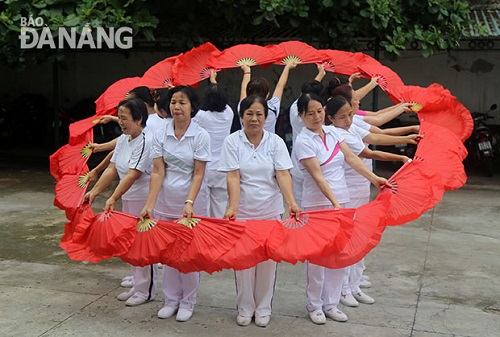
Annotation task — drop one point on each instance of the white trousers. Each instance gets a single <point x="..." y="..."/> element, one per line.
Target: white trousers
<point x="255" y="288"/>
<point x="352" y="277"/>
<point x="179" y="290"/>
<point x="217" y="193"/>
<point x="144" y="278"/>
<point x="323" y="285"/>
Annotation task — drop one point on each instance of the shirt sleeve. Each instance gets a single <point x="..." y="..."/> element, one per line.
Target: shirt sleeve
<point x="202" y="150"/>
<point x="303" y="150"/>
<point x="157" y="144"/>
<point x="362" y="133"/>
<point x="354" y="143"/>
<point x="273" y="106"/>
<point x="229" y="159"/>
<point x="282" y="159"/>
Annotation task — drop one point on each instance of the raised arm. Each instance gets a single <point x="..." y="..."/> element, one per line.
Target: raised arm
<point x="280" y="86"/>
<point x="382" y="139"/>
<point x="382" y="156"/>
<point x="365" y="90"/>
<point x="388" y="115"/>
<point x="247" y="76"/>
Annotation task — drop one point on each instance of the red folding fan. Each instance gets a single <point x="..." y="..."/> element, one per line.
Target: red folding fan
<point x="298" y="52"/>
<point x="252" y="247"/>
<point x="82" y="218"/>
<point x="69" y="159"/>
<point x="415" y="189"/>
<point x="108" y="101"/>
<point x="421" y="99"/>
<point x="212" y="238"/>
<point x="157" y="238"/>
<point x="341" y="62"/>
<point x="309" y="236"/>
<point x="160" y="75"/>
<point x="70" y="190"/>
<point x="82" y="130"/>
<point x="389" y="81"/>
<point x="192" y="67"/>
<point x="443" y="150"/>
<point x="369" y="224"/>
<point x="455" y="116"/>
<point x="249" y="54"/>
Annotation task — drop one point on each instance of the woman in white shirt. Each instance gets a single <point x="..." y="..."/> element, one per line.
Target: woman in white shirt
<point x="257" y="165"/>
<point x="131" y="162"/>
<point x="216" y="117"/>
<point x="180" y="152"/>
<point x="321" y="152"/>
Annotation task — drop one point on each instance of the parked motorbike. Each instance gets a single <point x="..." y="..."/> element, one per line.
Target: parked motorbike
<point x="480" y="143"/>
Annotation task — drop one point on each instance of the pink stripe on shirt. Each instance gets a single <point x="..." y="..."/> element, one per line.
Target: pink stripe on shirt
<point x="334" y="153"/>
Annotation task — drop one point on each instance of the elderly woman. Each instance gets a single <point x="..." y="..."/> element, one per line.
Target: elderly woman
<point x="257" y="165"/>
<point x="180" y="152"/>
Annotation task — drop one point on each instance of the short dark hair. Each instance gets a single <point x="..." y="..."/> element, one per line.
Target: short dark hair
<point x="143" y="93"/>
<point x="249" y="100"/>
<point x="312" y="87"/>
<point x="137" y="109"/>
<point x="304" y="99"/>
<point x="334" y="104"/>
<point x="163" y="99"/>
<point x="258" y="86"/>
<point x="216" y="98"/>
<point x="190" y="93"/>
<point x="335" y="82"/>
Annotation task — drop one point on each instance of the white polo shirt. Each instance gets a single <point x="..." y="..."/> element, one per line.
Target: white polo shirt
<point x="360" y="122"/>
<point x="179" y="157"/>
<point x="331" y="160"/>
<point x="358" y="186"/>
<point x="273" y="110"/>
<point x="295" y="121"/>
<point x="260" y="195"/>
<point x="218" y="125"/>
<point x="134" y="154"/>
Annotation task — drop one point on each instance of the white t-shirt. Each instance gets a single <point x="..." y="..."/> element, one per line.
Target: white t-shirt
<point x="179" y="157"/>
<point x="260" y="195"/>
<point x="218" y="126"/>
<point x="273" y="110"/>
<point x="331" y="161"/>
<point x="360" y="122"/>
<point x="134" y="154"/>
<point x="155" y="122"/>
<point x="358" y="186"/>
<point x="295" y="121"/>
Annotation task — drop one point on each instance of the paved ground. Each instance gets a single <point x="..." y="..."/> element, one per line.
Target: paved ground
<point x="438" y="276"/>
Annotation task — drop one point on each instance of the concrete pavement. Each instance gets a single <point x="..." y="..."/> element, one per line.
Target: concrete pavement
<point x="438" y="276"/>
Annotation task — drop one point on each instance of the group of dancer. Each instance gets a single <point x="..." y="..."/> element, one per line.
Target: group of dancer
<point x="177" y="158"/>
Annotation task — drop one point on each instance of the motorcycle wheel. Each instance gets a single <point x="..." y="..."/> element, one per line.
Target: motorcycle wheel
<point x="488" y="166"/>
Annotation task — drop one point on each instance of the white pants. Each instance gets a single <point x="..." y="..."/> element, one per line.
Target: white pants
<point x="217" y="193"/>
<point x="352" y="277"/>
<point x="323" y="285"/>
<point x="179" y="290"/>
<point x="143" y="278"/>
<point x="255" y="288"/>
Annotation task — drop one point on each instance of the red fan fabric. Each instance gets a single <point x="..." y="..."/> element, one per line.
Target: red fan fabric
<point x="341" y="62"/>
<point x="455" y="116"/>
<point x="70" y="190"/>
<point x="106" y="103"/>
<point x="160" y="75"/>
<point x="298" y="52"/>
<point x="314" y="232"/>
<point x="442" y="150"/>
<point x="82" y="130"/>
<point x="251" y="54"/>
<point x="425" y="99"/>
<point x="69" y="159"/>
<point x="192" y="67"/>
<point x="162" y="238"/>
<point x="415" y="189"/>
<point x="75" y="229"/>
<point x="212" y="238"/>
<point x="369" y="224"/>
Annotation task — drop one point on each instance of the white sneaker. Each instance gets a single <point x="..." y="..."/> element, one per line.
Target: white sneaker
<point x="365" y="277"/>
<point x="167" y="312"/>
<point x="136" y="300"/>
<point x="336" y="315"/>
<point x="127" y="278"/>
<point x="365" y="284"/>
<point x="243" y="320"/>
<point x="348" y="300"/>
<point x="183" y="315"/>
<point x="317" y="316"/>
<point x="262" y="321"/>
<point x="125" y="295"/>
<point x="363" y="298"/>
<point x="127" y="284"/>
